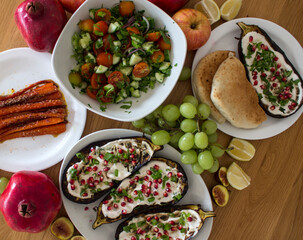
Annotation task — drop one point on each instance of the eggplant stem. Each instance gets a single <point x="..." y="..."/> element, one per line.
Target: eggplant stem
<point x="207" y="214"/>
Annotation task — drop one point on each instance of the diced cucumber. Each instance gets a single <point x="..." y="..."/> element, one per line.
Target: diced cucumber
<point x="147" y="45"/>
<point x="137" y="38"/>
<point x="136" y="78"/>
<point x="117" y="43"/>
<point x="101" y="69"/>
<point x="136" y="93"/>
<point x="126" y="70"/>
<point x="113" y="27"/>
<point x="116" y="59"/>
<point x="159" y="77"/>
<point x="134" y="59"/>
<point x="92" y="13"/>
<point x="84" y="41"/>
<point x="164" y="66"/>
<point x="108" y="87"/>
<point x="119" y="98"/>
<point x="89" y="58"/>
<point x="124" y="61"/>
<point x="123" y="93"/>
<point x="76" y="68"/>
<point x="135" y="84"/>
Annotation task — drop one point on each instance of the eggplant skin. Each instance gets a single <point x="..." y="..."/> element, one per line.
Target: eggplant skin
<point x="245" y="28"/>
<point x="101" y="219"/>
<point x="85" y="151"/>
<point x="168" y="209"/>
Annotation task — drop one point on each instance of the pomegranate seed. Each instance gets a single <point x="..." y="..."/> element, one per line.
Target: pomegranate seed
<point x="136" y="192"/>
<point x="105" y="162"/>
<point x="255" y="77"/>
<point x="251" y="38"/>
<point x="119" y="190"/>
<point x="174" y="229"/>
<point x="148" y="191"/>
<point x="273" y="78"/>
<point x="143" y="187"/>
<point x="89" y="157"/>
<point x="165" y="232"/>
<point x="78" y="173"/>
<point x="134" y="162"/>
<point x="255" y="83"/>
<point x="101" y="179"/>
<point x="262" y="87"/>
<point x="85" y="194"/>
<point x="272" y="69"/>
<point x="89" y="169"/>
<point x="169" y="174"/>
<point x="105" y="169"/>
<point x="274" y="84"/>
<point x="286" y="92"/>
<point x="277" y="73"/>
<point x="156" y="167"/>
<point x="96" y="182"/>
<point x="156" y="185"/>
<point x="159" y="235"/>
<point x="168" y="190"/>
<point x="120" y="150"/>
<point x="130" y="200"/>
<point x="90" y="180"/>
<point x="136" y="178"/>
<point x="156" y="229"/>
<point x="165" y="194"/>
<point x="116" y="205"/>
<point x="263" y="74"/>
<point x="280" y="96"/>
<point x="289" y="95"/>
<point x="111" y="184"/>
<point x="160" y="180"/>
<point x="75" y="166"/>
<point x="155" y="193"/>
<point x="109" y="208"/>
<point x="146" y="178"/>
<point x="149" y="172"/>
<point x="82" y="182"/>
<point x="72" y="181"/>
<point x="276" y="58"/>
<point x="139" y="231"/>
<point x="131" y="150"/>
<point x="125" y="198"/>
<point x="189" y="219"/>
<point x="172" y="222"/>
<point x="132" y="156"/>
<point x="294" y="104"/>
<point x="95" y="168"/>
<point x="168" y="185"/>
<point x="291" y="107"/>
<point x="73" y="187"/>
<point x="149" y="184"/>
<point x="284" y="79"/>
<point x="133" y="238"/>
<point x="86" y="208"/>
<point x="91" y="185"/>
<point x="258" y="58"/>
<point x="148" y="218"/>
<point x="101" y="156"/>
<point x="179" y="174"/>
<point x="287" y="88"/>
<point x="272" y="107"/>
<point x="123" y="204"/>
<point x="99" y="173"/>
<point x="278" y="65"/>
<point x="156" y="218"/>
<point x="254" y="73"/>
<point x="105" y="202"/>
<point x="147" y="238"/>
<point x="92" y="149"/>
<point x="124" y="211"/>
<point x="253" y="48"/>
<point x="131" y="182"/>
<point x="264" y="47"/>
<point x="180" y="227"/>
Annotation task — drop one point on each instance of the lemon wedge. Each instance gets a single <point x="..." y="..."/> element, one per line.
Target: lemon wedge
<point x="241" y="150"/>
<point x="230" y="9"/>
<point x="210" y="9"/>
<point x="236" y="177"/>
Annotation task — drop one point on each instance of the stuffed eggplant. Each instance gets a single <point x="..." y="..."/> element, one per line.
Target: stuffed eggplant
<point x="277" y="82"/>
<point x="161" y="182"/>
<point x="177" y="222"/>
<point x="101" y="165"/>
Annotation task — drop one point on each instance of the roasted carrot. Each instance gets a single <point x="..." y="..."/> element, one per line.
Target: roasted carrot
<point x="53" y="129"/>
<point x="53" y="96"/>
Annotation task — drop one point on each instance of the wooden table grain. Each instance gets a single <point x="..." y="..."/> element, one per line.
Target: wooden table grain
<point x="272" y="207"/>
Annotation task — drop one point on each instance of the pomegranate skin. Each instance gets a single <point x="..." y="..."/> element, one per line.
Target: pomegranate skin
<point x="30" y="202"/>
<point x="39" y="29"/>
<point x="169" y="6"/>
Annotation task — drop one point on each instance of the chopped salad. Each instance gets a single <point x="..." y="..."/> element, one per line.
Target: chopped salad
<point x="119" y="53"/>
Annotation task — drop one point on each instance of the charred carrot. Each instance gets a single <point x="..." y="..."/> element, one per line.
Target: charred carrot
<point x="53" y="96"/>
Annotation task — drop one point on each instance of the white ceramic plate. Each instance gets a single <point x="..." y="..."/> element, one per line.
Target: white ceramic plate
<point x="83" y="219"/>
<point x="223" y="38"/>
<point x="63" y="63"/>
<point x="19" y="68"/>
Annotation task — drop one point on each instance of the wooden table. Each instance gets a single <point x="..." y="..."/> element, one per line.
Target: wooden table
<point x="271" y="208"/>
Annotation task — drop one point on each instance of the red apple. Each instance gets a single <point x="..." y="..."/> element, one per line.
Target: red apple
<point x="71" y="5"/>
<point x="169" y="6"/>
<point x="195" y="26"/>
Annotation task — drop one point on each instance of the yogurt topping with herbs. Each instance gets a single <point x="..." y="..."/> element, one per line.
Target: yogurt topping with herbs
<point x="278" y="86"/>
<point x="153" y="184"/>
<point x="103" y="165"/>
<point x="180" y="224"/>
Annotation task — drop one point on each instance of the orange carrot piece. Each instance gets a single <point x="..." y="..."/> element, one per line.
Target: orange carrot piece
<point x="52" y="96"/>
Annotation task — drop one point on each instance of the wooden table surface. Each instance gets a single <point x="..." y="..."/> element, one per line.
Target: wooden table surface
<point x="271" y="207"/>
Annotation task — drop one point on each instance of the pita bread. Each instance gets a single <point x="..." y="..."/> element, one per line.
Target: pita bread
<point x="203" y="78"/>
<point x="235" y="97"/>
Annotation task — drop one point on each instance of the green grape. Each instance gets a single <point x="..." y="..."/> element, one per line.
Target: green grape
<point x="215" y="166"/>
<point x="212" y="138"/>
<point x="139" y="123"/>
<point x="188" y="125"/>
<point x="3" y="184"/>
<point x="217" y="150"/>
<point x="171" y="112"/>
<point x="174" y="137"/>
<point x="197" y="169"/>
<point x="149" y="129"/>
<point x="188" y="110"/>
<point x="186" y="142"/>
<point x="205" y="159"/>
<point x="203" y="111"/>
<point x="150" y="117"/>
<point x="201" y="140"/>
<point x="189" y="157"/>
<point x="191" y="99"/>
<point x="158" y="112"/>
<point x="160" y="137"/>
<point x="209" y="127"/>
<point x="185" y="74"/>
<point x="164" y="124"/>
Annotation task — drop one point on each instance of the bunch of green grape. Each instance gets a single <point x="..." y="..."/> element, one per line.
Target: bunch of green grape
<point x="188" y="129"/>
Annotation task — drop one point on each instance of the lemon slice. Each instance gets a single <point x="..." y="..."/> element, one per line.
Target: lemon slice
<point x="236" y="177"/>
<point x="210" y="9"/>
<point x="242" y="150"/>
<point x="230" y="9"/>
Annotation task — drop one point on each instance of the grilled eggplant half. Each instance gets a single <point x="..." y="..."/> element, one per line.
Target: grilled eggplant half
<point x="177" y="222"/>
<point x="98" y="167"/>
<point x="161" y="182"/>
<point x="277" y="82"/>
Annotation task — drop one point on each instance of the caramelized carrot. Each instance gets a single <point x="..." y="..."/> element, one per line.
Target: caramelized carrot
<point x="52" y="96"/>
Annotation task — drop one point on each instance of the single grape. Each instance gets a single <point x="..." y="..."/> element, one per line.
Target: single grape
<point x="174" y="137"/>
<point x="150" y="117"/>
<point x="149" y="129"/>
<point x="201" y="140"/>
<point x="205" y="159"/>
<point x="217" y="150"/>
<point x="189" y="157"/>
<point x="188" y="125"/>
<point x="191" y="99"/>
<point x="197" y="169"/>
<point x="185" y="74"/>
<point x="170" y="112"/>
<point x="209" y="127"/>
<point x="186" y="142"/>
<point x="160" y="137"/>
<point x="139" y="123"/>
<point x="188" y="110"/>
<point x="212" y="138"/>
<point x="215" y="166"/>
<point x="203" y="111"/>
<point x="3" y="184"/>
<point x="158" y="112"/>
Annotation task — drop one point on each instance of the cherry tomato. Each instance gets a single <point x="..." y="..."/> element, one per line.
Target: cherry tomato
<point x="105" y="59"/>
<point x="126" y="8"/>
<point x="86" y="25"/>
<point x="105" y="98"/>
<point x="97" y="80"/>
<point x="91" y="92"/>
<point x="157" y="57"/>
<point x="153" y="36"/>
<point x="163" y="45"/>
<point x="93" y="36"/>
<point x="132" y="30"/>
<point x="97" y="51"/>
<point x="87" y="70"/>
<point x="141" y="70"/>
<point x="107" y="39"/>
<point x="102" y="11"/>
<point x="100" y="28"/>
<point x="116" y="77"/>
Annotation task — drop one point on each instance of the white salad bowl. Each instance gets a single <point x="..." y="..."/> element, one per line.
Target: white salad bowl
<point x="62" y="62"/>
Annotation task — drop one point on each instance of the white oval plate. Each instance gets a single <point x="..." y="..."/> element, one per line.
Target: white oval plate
<point x="83" y="219"/>
<point x="19" y="68"/>
<point x="223" y="38"/>
<point x="62" y="62"/>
